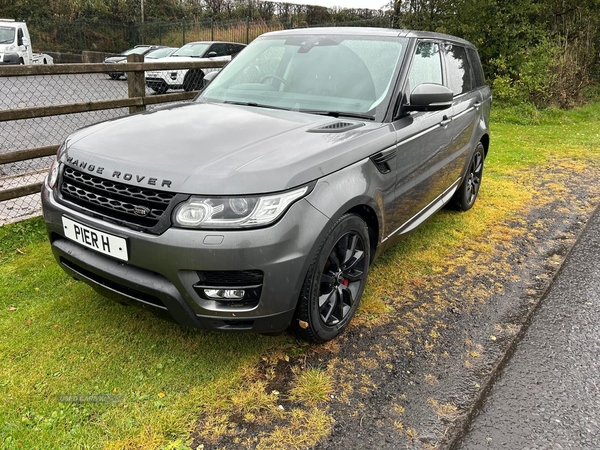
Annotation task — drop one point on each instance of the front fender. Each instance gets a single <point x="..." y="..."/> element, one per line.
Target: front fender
<point x="358" y="185"/>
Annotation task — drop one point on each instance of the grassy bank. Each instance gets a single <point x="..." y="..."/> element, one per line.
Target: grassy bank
<point x="80" y="371"/>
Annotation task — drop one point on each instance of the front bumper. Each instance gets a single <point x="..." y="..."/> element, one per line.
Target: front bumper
<point x="9" y="59"/>
<point x="162" y="269"/>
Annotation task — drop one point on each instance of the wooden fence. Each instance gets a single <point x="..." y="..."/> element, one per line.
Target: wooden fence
<point x="136" y="102"/>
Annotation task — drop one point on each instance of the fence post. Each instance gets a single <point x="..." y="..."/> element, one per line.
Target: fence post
<point x="183" y="31"/>
<point x="159" y="33"/>
<point x="136" y="83"/>
<point x="80" y="33"/>
<point x="248" y="30"/>
<point x="212" y="29"/>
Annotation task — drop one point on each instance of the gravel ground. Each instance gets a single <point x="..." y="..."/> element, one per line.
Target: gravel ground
<point x="416" y="381"/>
<point x="438" y="393"/>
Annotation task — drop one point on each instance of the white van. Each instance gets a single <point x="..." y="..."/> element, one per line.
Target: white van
<point x="15" y="45"/>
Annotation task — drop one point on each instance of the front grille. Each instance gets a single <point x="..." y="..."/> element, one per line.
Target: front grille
<point x="114" y="200"/>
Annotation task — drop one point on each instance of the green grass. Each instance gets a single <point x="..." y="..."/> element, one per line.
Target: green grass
<point x="60" y="338"/>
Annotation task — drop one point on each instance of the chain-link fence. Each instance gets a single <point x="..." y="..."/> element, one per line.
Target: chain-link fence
<point x="38" y="133"/>
<point x="38" y="112"/>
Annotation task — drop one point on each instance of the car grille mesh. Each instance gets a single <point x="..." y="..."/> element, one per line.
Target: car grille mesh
<point x="115" y="200"/>
<point x="231" y="278"/>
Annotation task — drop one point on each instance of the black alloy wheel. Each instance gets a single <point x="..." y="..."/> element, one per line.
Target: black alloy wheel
<point x="335" y="281"/>
<point x="465" y="196"/>
<point x="193" y="80"/>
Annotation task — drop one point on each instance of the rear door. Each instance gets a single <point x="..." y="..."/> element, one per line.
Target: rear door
<point x="465" y="107"/>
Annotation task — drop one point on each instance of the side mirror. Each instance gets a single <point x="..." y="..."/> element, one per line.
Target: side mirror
<point x="430" y="97"/>
<point x="212" y="54"/>
<point x="25" y="41"/>
<point x="208" y="78"/>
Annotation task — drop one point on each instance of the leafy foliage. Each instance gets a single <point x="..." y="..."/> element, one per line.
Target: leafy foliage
<point x="540" y="51"/>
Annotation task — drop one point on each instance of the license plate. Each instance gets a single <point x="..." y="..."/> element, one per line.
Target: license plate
<point x="96" y="240"/>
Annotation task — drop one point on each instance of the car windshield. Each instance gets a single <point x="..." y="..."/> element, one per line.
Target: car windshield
<point x="195" y="49"/>
<point x="135" y="50"/>
<point x="160" y="52"/>
<point x="321" y="74"/>
<point x="7" y="35"/>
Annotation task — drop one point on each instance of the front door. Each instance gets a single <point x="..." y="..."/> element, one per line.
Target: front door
<point x="424" y="140"/>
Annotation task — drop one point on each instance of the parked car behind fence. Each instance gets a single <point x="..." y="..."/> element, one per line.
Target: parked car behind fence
<point x="160" y="81"/>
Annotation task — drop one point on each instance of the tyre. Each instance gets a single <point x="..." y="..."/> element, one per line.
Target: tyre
<point x="465" y="196"/>
<point x="159" y="89"/>
<point x="335" y="281"/>
<point x="193" y="80"/>
<point x="114" y="76"/>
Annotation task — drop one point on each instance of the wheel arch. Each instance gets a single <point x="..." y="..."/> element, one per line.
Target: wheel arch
<point x="485" y="141"/>
<point x="366" y="213"/>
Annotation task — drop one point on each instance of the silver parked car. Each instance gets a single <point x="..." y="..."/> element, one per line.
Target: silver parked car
<point x="122" y="57"/>
<point x="261" y="204"/>
<point x="160" y="81"/>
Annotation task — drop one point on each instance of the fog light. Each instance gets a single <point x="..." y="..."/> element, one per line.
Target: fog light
<point x="224" y="294"/>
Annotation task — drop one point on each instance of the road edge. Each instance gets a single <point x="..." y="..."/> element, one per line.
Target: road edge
<point x="462" y="429"/>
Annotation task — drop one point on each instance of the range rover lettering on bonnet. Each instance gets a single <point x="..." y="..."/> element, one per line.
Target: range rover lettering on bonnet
<point x="116" y="174"/>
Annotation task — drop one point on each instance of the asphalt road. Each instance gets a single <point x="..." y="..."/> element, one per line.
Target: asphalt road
<point x="548" y="396"/>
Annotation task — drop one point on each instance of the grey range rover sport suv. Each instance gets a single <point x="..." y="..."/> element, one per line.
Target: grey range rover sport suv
<point x="261" y="204"/>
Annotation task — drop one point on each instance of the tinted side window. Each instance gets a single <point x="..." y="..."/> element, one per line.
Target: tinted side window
<point x="478" y="77"/>
<point x="219" y="49"/>
<point x="426" y="65"/>
<point x="459" y="72"/>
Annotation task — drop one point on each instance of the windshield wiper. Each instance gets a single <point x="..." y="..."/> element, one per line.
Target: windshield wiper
<point x="339" y="114"/>
<point x="255" y="105"/>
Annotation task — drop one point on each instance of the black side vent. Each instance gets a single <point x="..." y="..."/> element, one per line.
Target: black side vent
<point x="336" y="127"/>
<point x="381" y="160"/>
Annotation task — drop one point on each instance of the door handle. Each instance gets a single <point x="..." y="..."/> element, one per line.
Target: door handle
<point x="445" y="121"/>
<point x="476" y="105"/>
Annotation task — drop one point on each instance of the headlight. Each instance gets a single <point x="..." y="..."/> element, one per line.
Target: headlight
<point x="54" y="168"/>
<point x="53" y="174"/>
<point x="234" y="212"/>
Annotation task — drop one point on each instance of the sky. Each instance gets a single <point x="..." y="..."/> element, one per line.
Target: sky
<point x="371" y="4"/>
